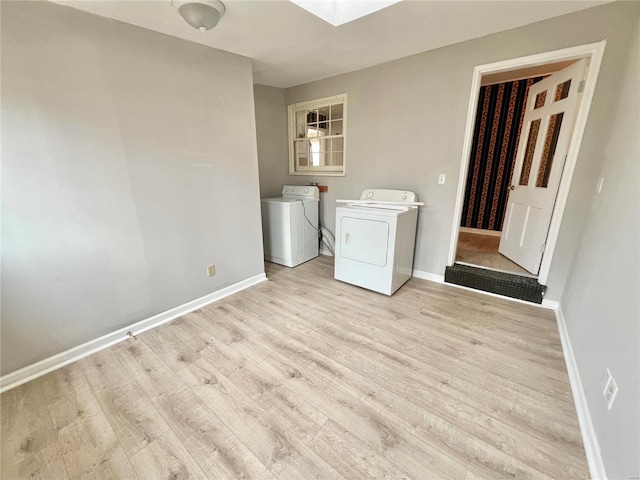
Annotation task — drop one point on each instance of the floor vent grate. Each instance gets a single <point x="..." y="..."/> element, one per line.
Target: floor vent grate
<point x="502" y="283"/>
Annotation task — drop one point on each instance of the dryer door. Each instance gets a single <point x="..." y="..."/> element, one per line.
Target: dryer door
<point x="364" y="240"/>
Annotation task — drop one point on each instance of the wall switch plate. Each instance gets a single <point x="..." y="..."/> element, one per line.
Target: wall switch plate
<point x="610" y="390"/>
<point x="441" y="179"/>
<point x="211" y="270"/>
<point x="599" y="186"/>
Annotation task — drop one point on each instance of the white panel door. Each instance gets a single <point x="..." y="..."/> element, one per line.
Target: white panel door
<point x="546" y="131"/>
<point x="364" y="240"/>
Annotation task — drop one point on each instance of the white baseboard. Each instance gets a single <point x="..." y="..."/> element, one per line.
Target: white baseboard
<point x="30" y="372"/>
<point x="589" y="438"/>
<point x="434" y="277"/>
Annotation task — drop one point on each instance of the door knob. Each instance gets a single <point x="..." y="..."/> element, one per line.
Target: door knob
<point x="511" y="187"/>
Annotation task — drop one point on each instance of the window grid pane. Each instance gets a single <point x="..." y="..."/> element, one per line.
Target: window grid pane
<point x="562" y="90"/>
<point x="336" y="111"/>
<point x="529" y="151"/>
<point x="550" y="144"/>
<point x="324" y="113"/>
<point x="540" y="98"/>
<point x="301" y="149"/>
<point x="336" y="127"/>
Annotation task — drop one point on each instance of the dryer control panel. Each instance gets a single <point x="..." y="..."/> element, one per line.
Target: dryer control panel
<point x="382" y="195"/>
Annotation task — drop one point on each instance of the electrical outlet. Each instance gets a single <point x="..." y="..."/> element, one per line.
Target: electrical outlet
<point x="441" y="179"/>
<point x="610" y="390"/>
<point x="211" y="270"/>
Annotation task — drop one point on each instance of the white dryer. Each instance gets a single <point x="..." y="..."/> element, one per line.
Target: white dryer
<point x="375" y="239"/>
<point x="290" y="225"/>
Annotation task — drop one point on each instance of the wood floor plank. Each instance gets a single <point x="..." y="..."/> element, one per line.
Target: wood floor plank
<point x="214" y="325"/>
<point x="211" y="443"/>
<point x="305" y="377"/>
<point x="351" y="457"/>
<point x="29" y="439"/>
<point x="272" y="444"/>
<point x="240" y="463"/>
<point x="147" y="369"/>
<point x="166" y="458"/>
<point x="174" y="352"/>
<point x="296" y="415"/>
<point x="104" y="370"/>
<point x="86" y="440"/>
<point x="345" y="405"/>
<point x="134" y="419"/>
<point x="532" y="450"/>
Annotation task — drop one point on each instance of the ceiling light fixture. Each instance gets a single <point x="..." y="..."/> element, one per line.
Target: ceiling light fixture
<point x="202" y="15"/>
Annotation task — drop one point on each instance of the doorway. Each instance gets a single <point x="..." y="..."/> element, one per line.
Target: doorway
<point x="497" y="131"/>
<point x="477" y="237"/>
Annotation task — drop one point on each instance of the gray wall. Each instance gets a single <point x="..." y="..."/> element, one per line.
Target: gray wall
<point x="271" y="129"/>
<point x="407" y="120"/>
<point x="129" y="163"/>
<point x="601" y="303"/>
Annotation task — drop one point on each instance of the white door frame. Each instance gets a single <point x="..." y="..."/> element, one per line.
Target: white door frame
<point x="592" y="51"/>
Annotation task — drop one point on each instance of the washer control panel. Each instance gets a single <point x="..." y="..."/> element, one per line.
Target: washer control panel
<point x="310" y="191"/>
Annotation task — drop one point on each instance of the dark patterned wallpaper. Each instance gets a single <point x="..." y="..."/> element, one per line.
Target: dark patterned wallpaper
<point x="495" y="141"/>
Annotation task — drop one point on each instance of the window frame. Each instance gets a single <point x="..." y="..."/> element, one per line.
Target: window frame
<point x="319" y="170"/>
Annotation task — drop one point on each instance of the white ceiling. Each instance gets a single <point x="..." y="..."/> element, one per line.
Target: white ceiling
<point x="289" y="46"/>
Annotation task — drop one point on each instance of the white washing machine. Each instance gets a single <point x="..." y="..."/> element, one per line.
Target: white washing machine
<point x="375" y="239"/>
<point x="290" y="225"/>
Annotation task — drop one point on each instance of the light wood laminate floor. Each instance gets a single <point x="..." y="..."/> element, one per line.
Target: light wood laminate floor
<point x="305" y="377"/>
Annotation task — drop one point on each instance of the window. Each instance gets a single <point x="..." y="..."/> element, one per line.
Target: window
<point x="317" y="134"/>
